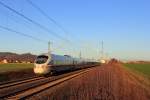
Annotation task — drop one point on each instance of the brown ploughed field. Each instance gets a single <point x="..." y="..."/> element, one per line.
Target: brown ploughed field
<point x="106" y="82"/>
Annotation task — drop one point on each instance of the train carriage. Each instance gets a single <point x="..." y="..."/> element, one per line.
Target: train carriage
<point x="51" y="63"/>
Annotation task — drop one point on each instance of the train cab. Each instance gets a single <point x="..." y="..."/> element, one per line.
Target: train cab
<point x="41" y="64"/>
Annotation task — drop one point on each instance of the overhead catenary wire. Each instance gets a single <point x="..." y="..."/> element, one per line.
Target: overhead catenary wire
<point x="18" y="22"/>
<point x="26" y="35"/>
<point x="47" y="16"/>
<point x="36" y="23"/>
<point x="4" y="27"/>
<point x="55" y="47"/>
<point x="22" y="34"/>
<point x="50" y="19"/>
<point x="33" y="22"/>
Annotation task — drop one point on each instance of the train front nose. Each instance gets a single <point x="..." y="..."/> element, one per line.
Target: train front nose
<point x="41" y="69"/>
<point x="41" y="65"/>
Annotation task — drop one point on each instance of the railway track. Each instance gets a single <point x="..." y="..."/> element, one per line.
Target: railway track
<point x="16" y="82"/>
<point x="27" y="88"/>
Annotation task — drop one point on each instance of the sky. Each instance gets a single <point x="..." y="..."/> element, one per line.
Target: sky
<point x="122" y="25"/>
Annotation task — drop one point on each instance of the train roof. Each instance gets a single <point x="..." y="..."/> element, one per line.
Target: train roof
<point x="56" y="56"/>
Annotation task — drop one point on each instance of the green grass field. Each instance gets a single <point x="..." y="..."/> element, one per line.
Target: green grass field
<point x="14" y="67"/>
<point x="142" y="68"/>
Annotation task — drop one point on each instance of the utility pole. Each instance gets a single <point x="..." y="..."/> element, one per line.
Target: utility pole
<point x="102" y="60"/>
<point x="80" y="56"/>
<point x="49" y="50"/>
<point x="102" y="51"/>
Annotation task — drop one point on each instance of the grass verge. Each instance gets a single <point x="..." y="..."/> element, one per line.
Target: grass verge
<point x="15" y="71"/>
<point x="14" y="67"/>
<point x="140" y="68"/>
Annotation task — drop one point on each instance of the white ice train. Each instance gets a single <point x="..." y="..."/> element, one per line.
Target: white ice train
<point x="50" y="63"/>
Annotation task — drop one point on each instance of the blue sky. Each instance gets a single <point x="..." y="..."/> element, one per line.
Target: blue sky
<point x="123" y="25"/>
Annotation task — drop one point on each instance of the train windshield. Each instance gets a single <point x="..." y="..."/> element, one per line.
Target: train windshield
<point x="41" y="59"/>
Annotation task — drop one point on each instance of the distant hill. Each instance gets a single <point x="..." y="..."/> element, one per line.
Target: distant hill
<point x="14" y="57"/>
